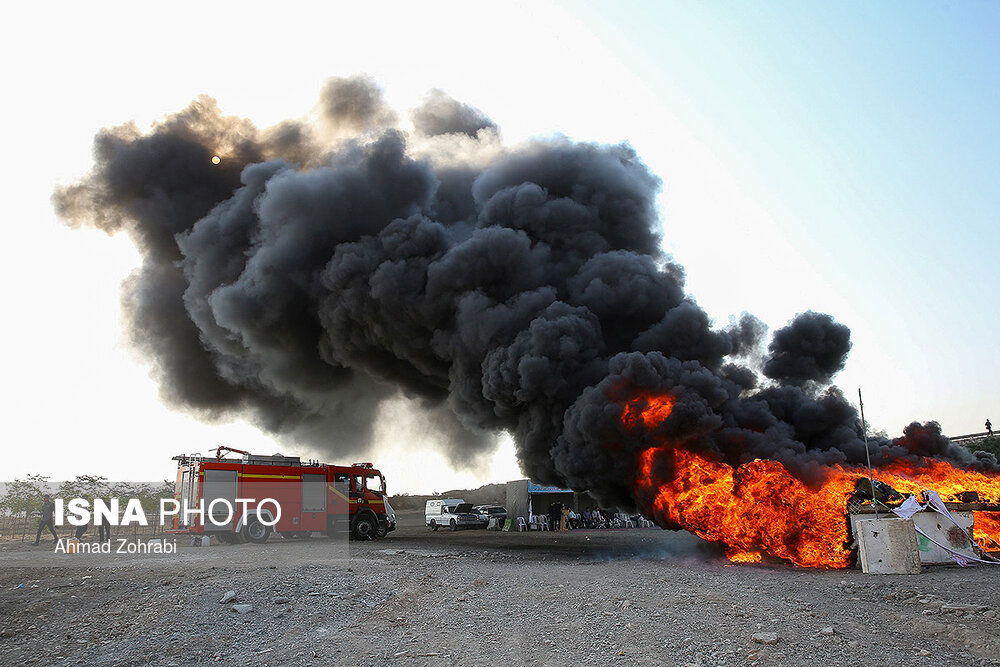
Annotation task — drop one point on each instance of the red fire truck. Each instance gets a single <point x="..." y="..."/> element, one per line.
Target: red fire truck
<point x="281" y="494"/>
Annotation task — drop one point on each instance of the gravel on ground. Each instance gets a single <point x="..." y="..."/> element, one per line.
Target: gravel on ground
<point x="421" y="598"/>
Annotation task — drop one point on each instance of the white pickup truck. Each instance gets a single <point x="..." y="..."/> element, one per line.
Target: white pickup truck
<point x="453" y="513"/>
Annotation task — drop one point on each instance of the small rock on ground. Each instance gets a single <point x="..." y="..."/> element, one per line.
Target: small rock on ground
<point x="766" y="638"/>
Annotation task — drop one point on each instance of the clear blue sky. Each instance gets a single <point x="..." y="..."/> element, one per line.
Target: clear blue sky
<point x="870" y="132"/>
<point x="873" y="127"/>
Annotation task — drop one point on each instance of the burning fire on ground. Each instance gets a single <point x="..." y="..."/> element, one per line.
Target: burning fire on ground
<point x="760" y="509"/>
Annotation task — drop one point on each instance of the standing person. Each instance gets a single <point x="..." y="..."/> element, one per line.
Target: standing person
<point x="103" y="529"/>
<point x="989" y="427"/>
<point x="48" y="508"/>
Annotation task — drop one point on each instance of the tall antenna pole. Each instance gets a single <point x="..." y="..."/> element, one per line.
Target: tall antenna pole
<point x="868" y="456"/>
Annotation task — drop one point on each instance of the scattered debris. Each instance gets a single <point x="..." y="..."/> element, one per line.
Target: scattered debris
<point x="961" y="608"/>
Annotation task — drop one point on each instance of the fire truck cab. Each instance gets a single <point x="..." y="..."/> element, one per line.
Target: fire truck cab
<point x="250" y="497"/>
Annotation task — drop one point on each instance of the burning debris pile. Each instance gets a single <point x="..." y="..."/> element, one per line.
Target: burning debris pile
<point x="759" y="508"/>
<point x="316" y="269"/>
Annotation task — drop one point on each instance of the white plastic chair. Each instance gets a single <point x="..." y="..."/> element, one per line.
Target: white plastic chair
<point x="522" y="526"/>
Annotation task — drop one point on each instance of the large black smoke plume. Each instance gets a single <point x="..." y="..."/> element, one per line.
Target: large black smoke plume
<point x="319" y="269"/>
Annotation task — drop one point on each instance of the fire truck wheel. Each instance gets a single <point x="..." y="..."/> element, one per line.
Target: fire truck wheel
<point x="256" y="532"/>
<point x="434" y="524"/>
<point x="365" y="527"/>
<point x="454" y="526"/>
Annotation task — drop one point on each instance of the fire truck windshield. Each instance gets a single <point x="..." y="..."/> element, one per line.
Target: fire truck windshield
<point x="375" y="484"/>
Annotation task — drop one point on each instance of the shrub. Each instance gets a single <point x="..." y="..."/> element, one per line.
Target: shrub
<point x="991" y="445"/>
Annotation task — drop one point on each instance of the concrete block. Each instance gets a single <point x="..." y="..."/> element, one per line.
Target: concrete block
<point x="888" y="546"/>
<point x="940" y="529"/>
<point x="943" y="531"/>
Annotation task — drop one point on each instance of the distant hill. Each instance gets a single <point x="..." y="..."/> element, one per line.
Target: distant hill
<point x="490" y="494"/>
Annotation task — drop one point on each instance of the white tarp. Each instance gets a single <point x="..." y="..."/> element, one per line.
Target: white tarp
<point x="934" y="503"/>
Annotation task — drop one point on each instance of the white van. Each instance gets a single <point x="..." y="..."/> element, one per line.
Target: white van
<point x="453" y="513"/>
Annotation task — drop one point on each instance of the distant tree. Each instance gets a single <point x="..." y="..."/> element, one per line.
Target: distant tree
<point x="21" y="498"/>
<point x="164" y="489"/>
<point x="85" y="486"/>
<point x="148" y="495"/>
<point x="24" y="496"/>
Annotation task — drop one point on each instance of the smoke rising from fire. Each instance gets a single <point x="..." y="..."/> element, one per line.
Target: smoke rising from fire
<point x="324" y="267"/>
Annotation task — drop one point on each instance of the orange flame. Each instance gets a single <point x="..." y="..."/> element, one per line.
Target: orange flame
<point x="760" y="509"/>
<point x="650" y="410"/>
<point x="986" y="529"/>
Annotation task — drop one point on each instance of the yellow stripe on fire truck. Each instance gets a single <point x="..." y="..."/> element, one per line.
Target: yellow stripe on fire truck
<point x="271" y="476"/>
<point x="201" y="473"/>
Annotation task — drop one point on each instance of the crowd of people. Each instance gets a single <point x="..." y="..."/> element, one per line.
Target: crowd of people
<point x="561" y="517"/>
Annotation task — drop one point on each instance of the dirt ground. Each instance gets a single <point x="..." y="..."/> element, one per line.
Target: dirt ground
<point x="422" y="598"/>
